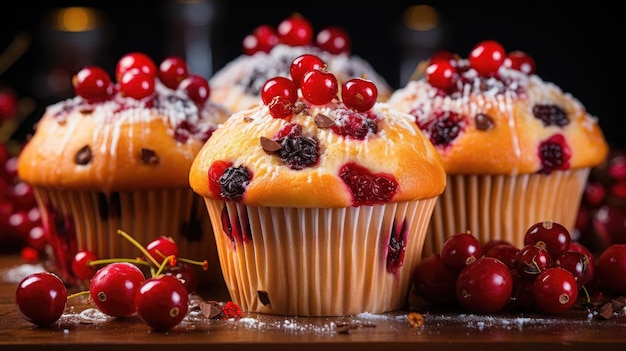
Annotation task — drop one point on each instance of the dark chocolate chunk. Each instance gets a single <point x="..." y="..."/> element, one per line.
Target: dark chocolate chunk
<point x="484" y="122"/>
<point x="149" y="157"/>
<point x="83" y="156"/>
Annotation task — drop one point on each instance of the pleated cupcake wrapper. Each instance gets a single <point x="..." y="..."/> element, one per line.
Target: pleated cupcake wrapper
<point x="318" y="262"/>
<point x="504" y="207"/>
<point x="89" y="220"/>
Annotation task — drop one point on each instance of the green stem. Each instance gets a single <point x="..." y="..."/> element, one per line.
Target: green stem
<point x="112" y="260"/>
<point x="78" y="294"/>
<point x="204" y="264"/>
<point x="139" y="246"/>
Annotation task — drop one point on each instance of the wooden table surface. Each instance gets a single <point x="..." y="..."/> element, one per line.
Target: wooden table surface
<point x="83" y="328"/>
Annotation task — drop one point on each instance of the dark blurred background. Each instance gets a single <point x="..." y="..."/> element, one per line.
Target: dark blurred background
<point x="574" y="46"/>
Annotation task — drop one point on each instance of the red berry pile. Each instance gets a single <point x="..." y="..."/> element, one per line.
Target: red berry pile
<point x="545" y="276"/>
<point x="155" y="287"/>
<point x="296" y="30"/>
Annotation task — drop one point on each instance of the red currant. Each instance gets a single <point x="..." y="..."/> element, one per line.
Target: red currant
<point x="40" y="298"/>
<point x="484" y="286"/>
<point x="555" y="290"/>
<point x="162" y="247"/>
<point x="187" y="274"/>
<point x="443" y="55"/>
<point x="262" y="39"/>
<point x="441" y="75"/>
<point x="460" y="250"/>
<point x="319" y="87"/>
<point x="302" y="64"/>
<point x="487" y="57"/>
<point x="197" y="89"/>
<point x="359" y="94"/>
<point x="80" y="264"/>
<point x="142" y="62"/>
<point x="552" y="236"/>
<point x="279" y="87"/>
<point x="172" y="71"/>
<point x="520" y="61"/>
<point x="334" y="40"/>
<point x="136" y="84"/>
<point x="612" y="268"/>
<point x="434" y="282"/>
<point x="162" y="302"/>
<point x="93" y="84"/>
<point x="295" y="31"/>
<point x="113" y="288"/>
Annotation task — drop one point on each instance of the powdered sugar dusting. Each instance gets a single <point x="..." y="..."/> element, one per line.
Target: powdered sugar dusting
<point x="15" y="274"/>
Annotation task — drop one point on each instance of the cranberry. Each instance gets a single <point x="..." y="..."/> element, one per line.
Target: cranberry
<point x="319" y="87"/>
<point x="555" y="290"/>
<point x="616" y="168"/>
<point x="522" y="295"/>
<point x="136" y="84"/>
<point x="359" y="94"/>
<point x="162" y="302"/>
<point x="531" y="260"/>
<point x="506" y="253"/>
<point x="368" y="188"/>
<point x="576" y="263"/>
<point x="80" y="264"/>
<point x="113" y="288"/>
<point x="135" y="60"/>
<point x="334" y="40"/>
<point x="93" y="84"/>
<point x="554" y="154"/>
<point x="494" y="242"/>
<point x="434" y="282"/>
<point x="40" y="298"/>
<point x="609" y="223"/>
<point x="262" y="39"/>
<point x="484" y="286"/>
<point x="197" y="89"/>
<point x="611" y="268"/>
<point x="187" y="274"/>
<point x="591" y="259"/>
<point x="295" y="30"/>
<point x="487" y="57"/>
<point x="521" y="61"/>
<point x="460" y="250"/>
<point x="594" y="193"/>
<point x="172" y="71"/>
<point x="552" y="236"/>
<point x="162" y="247"/>
<point x="280" y="94"/>
<point x="441" y="74"/>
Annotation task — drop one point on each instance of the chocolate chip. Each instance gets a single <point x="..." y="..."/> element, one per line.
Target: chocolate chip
<point x="324" y="121"/>
<point x="484" y="122"/>
<point x="83" y="156"/>
<point x="269" y="145"/>
<point x="211" y="309"/>
<point x="299" y="107"/>
<point x="247" y="119"/>
<point x="606" y="311"/>
<point x="264" y="297"/>
<point x="149" y="157"/>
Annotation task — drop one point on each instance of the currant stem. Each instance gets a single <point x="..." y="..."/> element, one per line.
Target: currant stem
<point x="169" y="259"/>
<point x="139" y="246"/>
<point x="78" y="294"/>
<point x="111" y="260"/>
<point x="584" y="289"/>
<point x="204" y="264"/>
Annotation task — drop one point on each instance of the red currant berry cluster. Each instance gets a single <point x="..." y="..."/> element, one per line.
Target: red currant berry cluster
<point x="545" y="275"/>
<point x="136" y="75"/>
<point x="296" y="30"/>
<point x="317" y="86"/>
<point x="118" y="287"/>
<point x="448" y="72"/>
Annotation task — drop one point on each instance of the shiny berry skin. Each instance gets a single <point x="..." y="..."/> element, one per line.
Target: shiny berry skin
<point x="443" y="55"/>
<point x="93" y="84"/>
<point x="460" y="250"/>
<point x="611" y="268"/>
<point x="172" y="71"/>
<point x="295" y="31"/>
<point x="138" y="60"/>
<point x="162" y="247"/>
<point x="487" y="57"/>
<point x="136" y="84"/>
<point x="434" y="282"/>
<point x="359" y="94"/>
<point x="262" y="39"/>
<point x="506" y="253"/>
<point x="441" y="75"/>
<point x="484" y="286"/>
<point x="40" y="298"/>
<point x="549" y="235"/>
<point x="575" y="246"/>
<point x="555" y="290"/>
<point x="319" y="87"/>
<point x="302" y="64"/>
<point x="113" y="288"/>
<point x="187" y="274"/>
<point x="279" y="87"/>
<point x="531" y="260"/>
<point x="215" y="172"/>
<point x="80" y="264"/>
<point x="334" y="40"/>
<point x="576" y="263"/>
<point x="520" y="61"/>
<point x="197" y="89"/>
<point x="494" y="242"/>
<point x="162" y="302"/>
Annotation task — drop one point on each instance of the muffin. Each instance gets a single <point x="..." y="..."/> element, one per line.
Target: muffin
<point x="319" y="206"/>
<point x="117" y="156"/>
<point x="517" y="150"/>
<point x="269" y="51"/>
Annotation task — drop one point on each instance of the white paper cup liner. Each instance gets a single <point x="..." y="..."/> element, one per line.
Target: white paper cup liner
<point x="504" y="207"/>
<point x="89" y="220"/>
<point x="318" y="262"/>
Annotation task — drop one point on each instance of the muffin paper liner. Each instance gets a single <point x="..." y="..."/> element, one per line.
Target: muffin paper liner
<point x="318" y="262"/>
<point x="89" y="220"/>
<point x="504" y="207"/>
